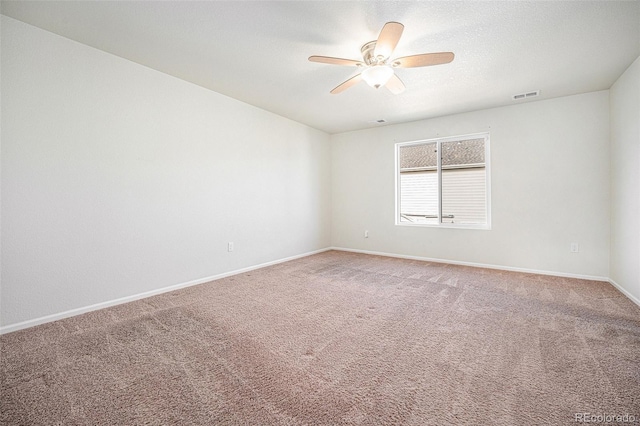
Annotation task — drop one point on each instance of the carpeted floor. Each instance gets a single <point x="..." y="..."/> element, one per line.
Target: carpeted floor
<point x="336" y="338"/>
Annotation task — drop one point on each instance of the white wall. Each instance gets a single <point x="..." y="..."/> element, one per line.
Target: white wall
<point x="119" y="180"/>
<point x="550" y="187"/>
<point x="625" y="180"/>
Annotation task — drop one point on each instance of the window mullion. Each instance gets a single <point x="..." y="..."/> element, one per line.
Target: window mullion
<point x="439" y="168"/>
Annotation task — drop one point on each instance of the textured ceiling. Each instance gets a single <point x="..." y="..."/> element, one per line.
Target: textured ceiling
<point x="257" y="51"/>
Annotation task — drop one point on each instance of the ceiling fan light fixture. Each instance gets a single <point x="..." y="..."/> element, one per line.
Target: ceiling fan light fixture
<point x="377" y="75"/>
<point x="377" y="64"/>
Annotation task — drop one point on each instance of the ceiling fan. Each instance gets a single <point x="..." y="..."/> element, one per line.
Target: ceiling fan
<point x="377" y="63"/>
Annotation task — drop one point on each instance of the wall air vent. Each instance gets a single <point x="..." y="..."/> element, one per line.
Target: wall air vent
<point x="526" y="95"/>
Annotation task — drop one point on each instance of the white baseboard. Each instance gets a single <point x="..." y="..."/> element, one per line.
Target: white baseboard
<point x="476" y="265"/>
<point x="102" y="305"/>
<point x="625" y="292"/>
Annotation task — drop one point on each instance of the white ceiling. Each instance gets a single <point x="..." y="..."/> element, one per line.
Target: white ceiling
<point x="257" y="51"/>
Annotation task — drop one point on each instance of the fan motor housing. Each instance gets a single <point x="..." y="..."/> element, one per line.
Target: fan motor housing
<point x="368" y="53"/>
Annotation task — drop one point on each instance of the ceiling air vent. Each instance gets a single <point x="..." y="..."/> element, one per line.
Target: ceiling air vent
<point x="526" y="95"/>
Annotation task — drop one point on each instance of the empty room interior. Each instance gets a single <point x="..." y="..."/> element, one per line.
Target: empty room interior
<point x="320" y="213"/>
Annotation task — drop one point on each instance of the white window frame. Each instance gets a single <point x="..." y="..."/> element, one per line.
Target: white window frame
<point x="439" y="141"/>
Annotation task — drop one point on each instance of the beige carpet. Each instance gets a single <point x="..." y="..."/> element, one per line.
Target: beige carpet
<point x="336" y="338"/>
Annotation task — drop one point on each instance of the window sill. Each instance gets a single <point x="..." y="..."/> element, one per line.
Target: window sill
<point x="445" y="225"/>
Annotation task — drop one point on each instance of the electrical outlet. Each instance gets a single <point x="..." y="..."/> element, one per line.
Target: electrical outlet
<point x="230" y="247"/>
<point x="366" y="234"/>
<point x="575" y="248"/>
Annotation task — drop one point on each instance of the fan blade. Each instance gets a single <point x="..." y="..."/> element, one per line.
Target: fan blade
<point x="388" y="39"/>
<point x="335" y="61"/>
<point x="395" y="85"/>
<point x="344" y="86"/>
<point x="423" y="60"/>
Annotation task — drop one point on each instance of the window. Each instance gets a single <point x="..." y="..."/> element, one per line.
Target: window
<point x="444" y="182"/>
